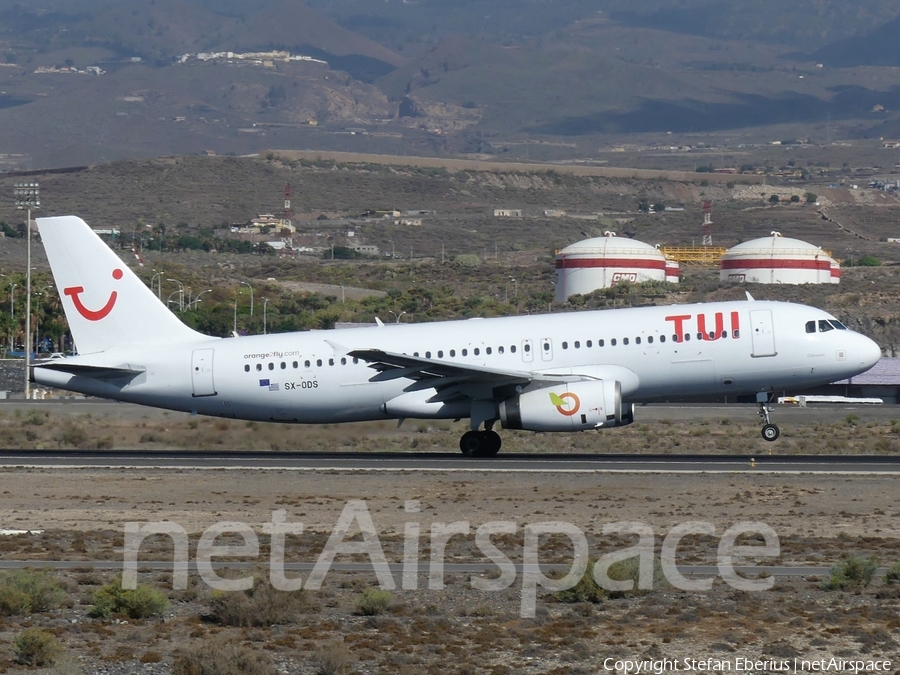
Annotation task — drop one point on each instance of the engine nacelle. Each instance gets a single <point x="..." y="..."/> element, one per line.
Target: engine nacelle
<point x="574" y="406"/>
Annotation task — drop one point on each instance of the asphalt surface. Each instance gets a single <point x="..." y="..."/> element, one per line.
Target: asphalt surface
<point x="411" y="462"/>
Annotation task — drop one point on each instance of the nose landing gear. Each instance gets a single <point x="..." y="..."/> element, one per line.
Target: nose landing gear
<point x="770" y="432"/>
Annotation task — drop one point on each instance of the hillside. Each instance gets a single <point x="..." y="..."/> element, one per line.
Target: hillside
<point x="95" y="82"/>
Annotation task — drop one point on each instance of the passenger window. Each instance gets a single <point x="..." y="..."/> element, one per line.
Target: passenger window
<point x="810" y="326"/>
<point x="259" y="366"/>
<point x="687" y="337"/>
<point x="662" y="338"/>
<point x="465" y="352"/>
<point x="427" y="355"/>
<point x="306" y="364"/>
<point x="612" y="342"/>
<point x="500" y="349"/>
<point x="318" y="362"/>
<point x="271" y="366"/>
<point x="330" y="362"/>
<point x="295" y="364"/>
<point x="588" y="344"/>
<point x="343" y="361"/>
<point x="824" y="326"/>
<point x="624" y="341"/>
<point x="600" y="343"/>
<point x="488" y="350"/>
<point x="416" y="354"/>
<point x="452" y="352"/>
<point x="283" y="365"/>
<point x="546" y="346"/>
<point x="355" y="360"/>
<point x="476" y="351"/>
<point x="247" y="368"/>
<point x="565" y="345"/>
<point x="650" y="339"/>
<point x="527" y="348"/>
<point x="736" y="334"/>
<point x="577" y="344"/>
<point x="440" y="353"/>
<point x="724" y="334"/>
<point x="637" y="340"/>
<point x="674" y="337"/>
<point x="512" y="349"/>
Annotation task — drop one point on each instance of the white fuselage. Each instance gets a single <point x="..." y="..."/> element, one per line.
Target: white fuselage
<point x="310" y="378"/>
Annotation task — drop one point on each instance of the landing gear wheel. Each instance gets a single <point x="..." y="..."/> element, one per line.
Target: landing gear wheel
<point x="490" y="443"/>
<point x="471" y="444"/>
<point x="770" y="432"/>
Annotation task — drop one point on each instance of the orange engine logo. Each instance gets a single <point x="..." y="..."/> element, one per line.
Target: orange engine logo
<point x="567" y="404"/>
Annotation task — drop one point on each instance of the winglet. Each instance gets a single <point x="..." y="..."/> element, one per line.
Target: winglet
<point x="339" y="349"/>
<point x="749" y="297"/>
<point x="379" y="322"/>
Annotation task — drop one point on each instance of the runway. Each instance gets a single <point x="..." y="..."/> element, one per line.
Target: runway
<point x="447" y="462"/>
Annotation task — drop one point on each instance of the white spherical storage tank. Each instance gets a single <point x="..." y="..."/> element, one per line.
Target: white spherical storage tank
<point x="778" y="260"/>
<point x="604" y="261"/>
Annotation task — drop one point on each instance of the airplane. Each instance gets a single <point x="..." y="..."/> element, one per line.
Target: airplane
<point x="568" y="372"/>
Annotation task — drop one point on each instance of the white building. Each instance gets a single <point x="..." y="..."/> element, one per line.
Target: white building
<point x="604" y="261"/>
<point x="778" y="260"/>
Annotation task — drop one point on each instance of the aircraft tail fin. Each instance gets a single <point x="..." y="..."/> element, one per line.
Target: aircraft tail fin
<point x="106" y="304"/>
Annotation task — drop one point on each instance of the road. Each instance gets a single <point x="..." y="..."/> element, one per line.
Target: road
<point x="413" y="462"/>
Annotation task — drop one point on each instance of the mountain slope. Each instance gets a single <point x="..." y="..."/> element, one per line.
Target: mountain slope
<point x="880" y="47"/>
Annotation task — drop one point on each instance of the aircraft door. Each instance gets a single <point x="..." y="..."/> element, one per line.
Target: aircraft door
<point x="202" y="372"/>
<point x="546" y="349"/>
<point x="527" y="351"/>
<point x="762" y="332"/>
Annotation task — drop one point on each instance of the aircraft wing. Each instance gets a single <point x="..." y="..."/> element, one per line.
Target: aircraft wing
<point x="453" y="381"/>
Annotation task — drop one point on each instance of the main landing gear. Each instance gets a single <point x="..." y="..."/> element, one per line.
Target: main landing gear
<point x="770" y="432"/>
<point x="480" y="443"/>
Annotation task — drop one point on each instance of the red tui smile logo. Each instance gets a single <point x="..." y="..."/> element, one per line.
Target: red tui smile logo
<point x="90" y="314"/>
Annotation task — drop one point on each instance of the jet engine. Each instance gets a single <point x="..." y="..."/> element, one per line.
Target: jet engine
<point x="574" y="406"/>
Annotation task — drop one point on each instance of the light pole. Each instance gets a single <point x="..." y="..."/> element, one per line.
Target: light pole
<point x="396" y="316"/>
<point x="181" y="290"/>
<point x="158" y="276"/>
<point x="234" y="331"/>
<point x="265" y="306"/>
<point x="12" y="315"/>
<point x="28" y="197"/>
<point x="251" y="295"/>
<point x="197" y="299"/>
<point x="37" y="325"/>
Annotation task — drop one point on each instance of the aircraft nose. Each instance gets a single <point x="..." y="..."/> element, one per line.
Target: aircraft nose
<point x="868" y="352"/>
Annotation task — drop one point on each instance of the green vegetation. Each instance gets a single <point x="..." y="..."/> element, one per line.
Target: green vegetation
<point x="852" y="574"/>
<point x="261" y="605"/>
<point x="892" y="576"/>
<point x="139" y="603"/>
<point x="373" y="602"/>
<point x="36" y="647"/>
<point x="26" y="591"/>
<point x="219" y="657"/>
<point x="586" y="590"/>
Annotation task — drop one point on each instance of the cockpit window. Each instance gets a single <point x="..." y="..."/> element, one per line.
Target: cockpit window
<point x="825" y="326"/>
<point x="810" y="326"/>
<point x="837" y="324"/>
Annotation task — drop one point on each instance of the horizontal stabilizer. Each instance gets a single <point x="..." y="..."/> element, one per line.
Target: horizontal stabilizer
<point x="84" y="370"/>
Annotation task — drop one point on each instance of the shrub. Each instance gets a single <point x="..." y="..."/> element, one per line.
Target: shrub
<point x="261" y="605"/>
<point x="36" y="647"/>
<point x="331" y="659"/>
<point x="139" y="603"/>
<point x="26" y="591"/>
<point x="467" y="260"/>
<point x="586" y="590"/>
<point x="373" y="602"/>
<point x="893" y="574"/>
<point x="222" y="658"/>
<point x="854" y="573"/>
<point x="629" y="570"/>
